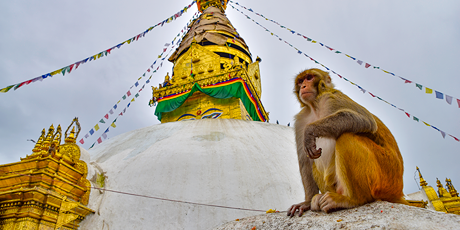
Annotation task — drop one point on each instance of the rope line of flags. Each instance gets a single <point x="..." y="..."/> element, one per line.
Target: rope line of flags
<point x="438" y="94"/>
<point x="417" y="119"/>
<point x="68" y="69"/>
<point x="166" y="51"/>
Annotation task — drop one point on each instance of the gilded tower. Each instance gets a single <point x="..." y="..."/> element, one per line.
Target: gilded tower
<point x="48" y="189"/>
<point x="214" y="75"/>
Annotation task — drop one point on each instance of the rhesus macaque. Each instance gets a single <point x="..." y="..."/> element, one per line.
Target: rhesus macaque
<point x="344" y="151"/>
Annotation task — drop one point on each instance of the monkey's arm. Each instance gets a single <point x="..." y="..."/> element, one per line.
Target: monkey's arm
<point x="339" y="115"/>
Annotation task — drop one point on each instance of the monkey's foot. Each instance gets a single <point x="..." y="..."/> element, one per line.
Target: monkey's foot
<point x="332" y="201"/>
<point x="302" y="207"/>
<point x="315" y="206"/>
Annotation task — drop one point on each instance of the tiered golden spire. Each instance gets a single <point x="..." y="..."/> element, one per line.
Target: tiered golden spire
<point x="441" y="190"/>
<point x="422" y="181"/>
<point x="450" y="186"/>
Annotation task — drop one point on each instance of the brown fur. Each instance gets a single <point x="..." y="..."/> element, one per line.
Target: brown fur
<point x="358" y="160"/>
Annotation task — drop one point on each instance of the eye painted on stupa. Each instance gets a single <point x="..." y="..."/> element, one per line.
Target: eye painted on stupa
<point x="213" y="113"/>
<point x="186" y="116"/>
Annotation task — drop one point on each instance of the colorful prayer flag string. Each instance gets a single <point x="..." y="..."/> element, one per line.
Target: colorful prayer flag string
<point x="128" y="94"/>
<point x="359" y="87"/>
<point x="71" y="67"/>
<point x="438" y="94"/>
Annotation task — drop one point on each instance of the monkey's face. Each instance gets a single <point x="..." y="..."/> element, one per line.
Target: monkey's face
<point x="307" y="82"/>
<point x="307" y="89"/>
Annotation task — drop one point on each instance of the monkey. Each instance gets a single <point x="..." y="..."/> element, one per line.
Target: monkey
<point x="343" y="150"/>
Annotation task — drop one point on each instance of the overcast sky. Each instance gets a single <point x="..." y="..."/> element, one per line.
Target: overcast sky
<point x="417" y="40"/>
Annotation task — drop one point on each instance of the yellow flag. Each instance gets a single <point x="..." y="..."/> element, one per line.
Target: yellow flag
<point x="99" y="55"/>
<point x="96" y="127"/>
<point x="113" y="125"/>
<point x="428" y="90"/>
<point x="132" y="99"/>
<point x="55" y="72"/>
<point x="94" y="57"/>
<point x="426" y="123"/>
<point x="118" y="101"/>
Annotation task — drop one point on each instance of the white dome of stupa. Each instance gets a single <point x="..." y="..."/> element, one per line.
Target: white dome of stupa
<point x="224" y="162"/>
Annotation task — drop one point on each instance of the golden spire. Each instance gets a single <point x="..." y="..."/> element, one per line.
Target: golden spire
<point x="71" y="137"/>
<point x="49" y="137"/>
<point x="452" y="190"/>
<point x="38" y="145"/>
<point x="204" y="4"/>
<point x="441" y="190"/>
<point x="422" y="181"/>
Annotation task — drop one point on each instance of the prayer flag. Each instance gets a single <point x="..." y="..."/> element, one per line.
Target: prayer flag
<point x="104" y="135"/>
<point x="419" y="86"/>
<point x="111" y="112"/>
<point x="416" y="119"/>
<point x="6" y="89"/>
<point x="107" y="130"/>
<point x="96" y="127"/>
<point x="124" y="97"/>
<point x="408" y="115"/>
<point x="449" y="99"/>
<point x="368" y="65"/>
<point x="92" y="145"/>
<point x="360" y="62"/>
<point x="128" y="93"/>
<point x="82" y="141"/>
<point x="439" y="95"/>
<point x="454" y="138"/>
<point x="91" y="131"/>
<point x="102" y="121"/>
<point x="86" y="135"/>
<point x="426" y="123"/>
<point x="19" y="85"/>
<point x="443" y="134"/>
<point x="428" y="90"/>
<point x="129" y="104"/>
<point x="99" y="140"/>
<point x="113" y="125"/>
<point x="106" y="116"/>
<point x="132" y="99"/>
<point x="458" y="101"/>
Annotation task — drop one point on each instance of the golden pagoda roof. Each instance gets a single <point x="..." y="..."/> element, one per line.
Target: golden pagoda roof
<point x="211" y="28"/>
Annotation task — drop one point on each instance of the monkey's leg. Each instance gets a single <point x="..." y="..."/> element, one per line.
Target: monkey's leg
<point x="355" y="168"/>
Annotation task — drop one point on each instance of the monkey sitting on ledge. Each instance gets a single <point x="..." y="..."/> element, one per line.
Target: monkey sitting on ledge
<point x="344" y="151"/>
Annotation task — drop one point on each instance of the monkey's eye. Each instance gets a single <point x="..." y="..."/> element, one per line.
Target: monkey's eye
<point x="309" y="77"/>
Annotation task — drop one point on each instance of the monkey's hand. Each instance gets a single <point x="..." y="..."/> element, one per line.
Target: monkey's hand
<point x="310" y="145"/>
<point x="302" y="207"/>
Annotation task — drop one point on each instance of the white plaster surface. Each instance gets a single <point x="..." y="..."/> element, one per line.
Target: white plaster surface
<point x="221" y="162"/>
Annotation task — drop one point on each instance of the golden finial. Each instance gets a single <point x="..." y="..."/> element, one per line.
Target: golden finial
<point x="204" y="4"/>
<point x="441" y="190"/>
<point x="71" y="137"/>
<point x="452" y="190"/>
<point x="47" y="142"/>
<point x="422" y="181"/>
<point x="38" y="145"/>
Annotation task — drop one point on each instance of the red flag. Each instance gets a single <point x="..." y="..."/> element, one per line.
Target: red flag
<point x="77" y="64"/>
<point x="458" y="101"/>
<point x="99" y="140"/>
<point x="82" y="141"/>
<point x="371" y="94"/>
<point x="148" y="70"/>
<point x="29" y="81"/>
<point x="408" y="115"/>
<point x="455" y="138"/>
<point x="368" y="65"/>
<point x="129" y="93"/>
<point x="70" y="68"/>
<point x="108" y="51"/>
<point x="106" y="116"/>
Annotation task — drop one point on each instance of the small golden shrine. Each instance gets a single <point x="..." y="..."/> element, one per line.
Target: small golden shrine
<point x="213" y="74"/>
<point x="48" y="189"/>
<point x="443" y="200"/>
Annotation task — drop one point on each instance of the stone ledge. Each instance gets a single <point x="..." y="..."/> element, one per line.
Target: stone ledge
<point x="377" y="215"/>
